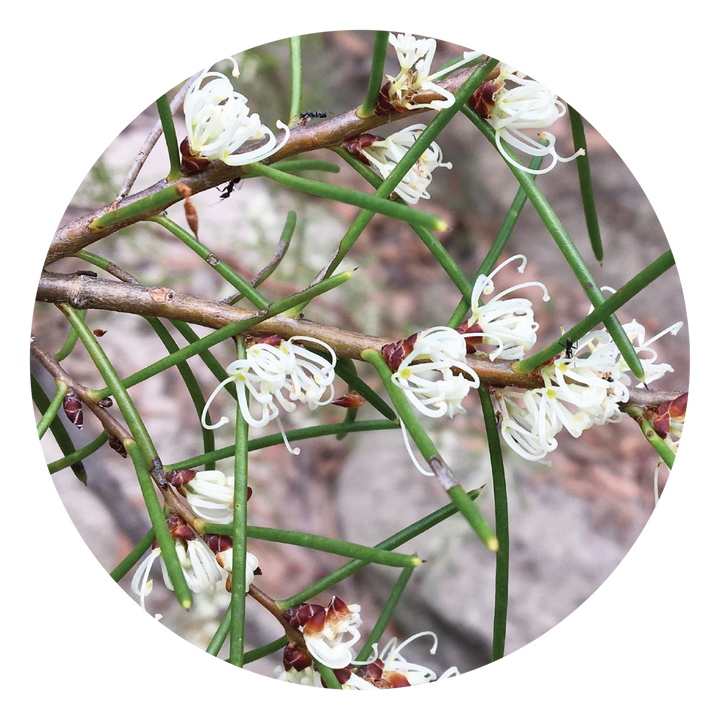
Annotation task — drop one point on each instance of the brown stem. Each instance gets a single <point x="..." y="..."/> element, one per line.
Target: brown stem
<point x="269" y="604"/>
<point x="82" y="291"/>
<point x="111" y="425"/>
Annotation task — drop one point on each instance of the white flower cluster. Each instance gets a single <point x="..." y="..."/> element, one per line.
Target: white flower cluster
<point x="324" y="631"/>
<point x="384" y="155"/>
<point x="415" y="56"/>
<point x="219" y="122"/>
<point x="202" y="567"/>
<point x="527" y="106"/>
<point x="282" y="374"/>
<point x="580" y="391"/>
<point x="509" y="323"/>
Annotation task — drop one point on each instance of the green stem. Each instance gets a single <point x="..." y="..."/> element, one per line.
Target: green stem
<point x="239" y="531"/>
<point x="127" y="563"/>
<point x="386" y="614"/>
<point x="428" y="450"/>
<point x="565" y="245"/>
<point x="220" y="634"/>
<point x="328" y="676"/>
<point x="665" y="453"/>
<point x="292" y="436"/>
<point x="228" y="331"/>
<point x="296" y="79"/>
<point x="502" y="559"/>
<point x="59" y="431"/>
<point x="168" y="126"/>
<point x="497" y="247"/>
<point x="376" y="74"/>
<point x="73" y="458"/>
<point x="265" y="650"/>
<point x="319" y="542"/>
<point x="394" y="541"/>
<point x="159" y="525"/>
<point x="157" y="201"/>
<point x="51" y="410"/>
<point x="69" y="343"/>
<point x="294" y="166"/>
<point x="221" y="267"/>
<point x="372" y="203"/>
<point x="586" y="186"/>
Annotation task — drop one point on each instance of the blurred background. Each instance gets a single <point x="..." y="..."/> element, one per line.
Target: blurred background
<point x="571" y="520"/>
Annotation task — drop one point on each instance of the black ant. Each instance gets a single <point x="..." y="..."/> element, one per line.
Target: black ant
<point x="570" y="347"/>
<point x="305" y="115"/>
<point x="225" y="194"/>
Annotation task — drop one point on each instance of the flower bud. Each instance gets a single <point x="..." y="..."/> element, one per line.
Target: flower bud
<point x="73" y="408"/>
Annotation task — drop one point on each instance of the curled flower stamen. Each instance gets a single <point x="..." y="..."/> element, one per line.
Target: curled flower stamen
<point x="219" y="122"/>
<point x="279" y="373"/>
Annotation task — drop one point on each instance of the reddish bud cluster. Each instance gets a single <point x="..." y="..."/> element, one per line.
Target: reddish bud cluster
<point x="375" y="673"/>
<point x="299" y="615"/>
<point x="673" y="409"/>
<point x="98" y="332"/>
<point x="179" y="529"/>
<point x="394" y="353"/>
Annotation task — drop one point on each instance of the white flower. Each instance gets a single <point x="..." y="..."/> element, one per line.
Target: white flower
<point x="437" y="349"/>
<point x="196" y="560"/>
<point x="270" y="373"/>
<point x="508" y="324"/>
<point x="528" y="106"/>
<point x="384" y="155"/>
<point x="224" y="560"/>
<point x="324" y="633"/>
<point x="594" y="379"/>
<point x="415" y="56"/>
<point x="219" y="122"/>
<point x="210" y="495"/>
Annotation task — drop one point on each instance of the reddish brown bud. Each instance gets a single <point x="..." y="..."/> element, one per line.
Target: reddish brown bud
<point x="394" y="353"/>
<point x="105" y="402"/>
<point x="678" y="406"/>
<point x="337" y="610"/>
<point x="191" y="163"/>
<point x="300" y="614"/>
<point x="117" y="445"/>
<point x="191" y="216"/>
<point x="73" y="408"/>
<point x="315" y="623"/>
<point x="178" y="478"/>
<point x="273" y="340"/>
<point x="396" y="679"/>
<point x="672" y="409"/>
<point x="383" y="105"/>
<point x="482" y="101"/>
<point x="218" y="543"/>
<point x="351" y="400"/>
<point x="343" y="674"/>
<point x="98" y="332"/>
<point x="295" y="658"/>
<point x="356" y="144"/>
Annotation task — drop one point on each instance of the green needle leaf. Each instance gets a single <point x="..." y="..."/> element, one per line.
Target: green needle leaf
<point x="586" y="187"/>
<point x="376" y="74"/>
<point x="168" y="126"/>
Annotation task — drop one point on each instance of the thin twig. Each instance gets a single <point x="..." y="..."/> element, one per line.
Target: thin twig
<point x="149" y="144"/>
